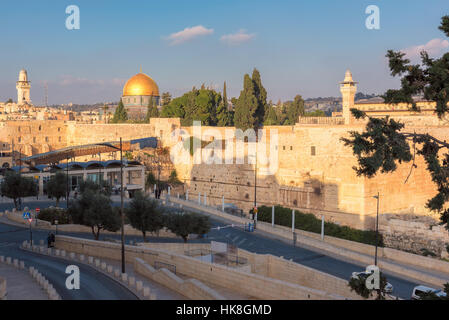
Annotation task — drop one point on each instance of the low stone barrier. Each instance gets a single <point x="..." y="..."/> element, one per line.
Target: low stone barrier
<point x="3" y="291"/>
<point x="96" y="263"/>
<point x="39" y="278"/>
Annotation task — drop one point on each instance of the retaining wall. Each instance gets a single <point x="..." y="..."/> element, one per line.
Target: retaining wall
<point x="250" y="284"/>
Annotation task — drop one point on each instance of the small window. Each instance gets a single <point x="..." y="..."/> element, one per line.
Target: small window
<point x="19" y="139"/>
<point x="291" y="148"/>
<point x="40" y="128"/>
<point x="59" y="139"/>
<point x="34" y="139"/>
<point x="283" y="148"/>
<point x="313" y="150"/>
<point x="46" y="139"/>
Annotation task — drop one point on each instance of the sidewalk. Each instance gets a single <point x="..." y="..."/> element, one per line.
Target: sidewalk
<point x="20" y="285"/>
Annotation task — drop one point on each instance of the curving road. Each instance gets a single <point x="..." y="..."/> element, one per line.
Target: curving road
<point x="93" y="284"/>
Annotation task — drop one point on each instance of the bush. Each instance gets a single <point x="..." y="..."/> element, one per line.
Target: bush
<point x="52" y="214"/>
<point x="308" y="222"/>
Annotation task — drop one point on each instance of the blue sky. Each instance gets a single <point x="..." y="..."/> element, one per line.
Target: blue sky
<point x="300" y="47"/>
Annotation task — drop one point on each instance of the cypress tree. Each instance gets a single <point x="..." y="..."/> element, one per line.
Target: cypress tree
<point x="261" y="96"/>
<point x="120" y="114"/>
<point x="245" y="116"/>
<point x="152" y="111"/>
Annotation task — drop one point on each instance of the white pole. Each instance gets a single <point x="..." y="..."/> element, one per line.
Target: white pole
<point x="178" y="195"/>
<point x="154" y="189"/>
<point x="169" y="191"/>
<point x="222" y="204"/>
<point x="187" y="195"/>
<point x="199" y="198"/>
<point x="205" y="199"/>
<point x="272" y="216"/>
<point x="322" y="227"/>
<point x="293" y="221"/>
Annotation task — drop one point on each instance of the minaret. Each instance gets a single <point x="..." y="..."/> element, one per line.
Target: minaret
<point x="348" y="89"/>
<point x="23" y="88"/>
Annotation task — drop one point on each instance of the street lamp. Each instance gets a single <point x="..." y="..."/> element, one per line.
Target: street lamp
<point x="377" y="226"/>
<point x="56" y="225"/>
<point x="121" y="198"/>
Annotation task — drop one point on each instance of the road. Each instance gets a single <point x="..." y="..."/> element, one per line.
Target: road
<point x="257" y="243"/>
<point x="93" y="284"/>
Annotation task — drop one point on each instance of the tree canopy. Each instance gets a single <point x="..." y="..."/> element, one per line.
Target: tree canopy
<point x="15" y="186"/>
<point x="57" y="186"/>
<point x="120" y="115"/>
<point x="144" y="214"/>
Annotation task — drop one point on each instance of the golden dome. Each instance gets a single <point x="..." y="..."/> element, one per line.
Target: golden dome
<point x="141" y="85"/>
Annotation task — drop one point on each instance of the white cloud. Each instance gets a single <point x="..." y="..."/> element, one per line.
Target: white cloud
<point x="238" y="38"/>
<point x="188" y="34"/>
<point x="433" y="47"/>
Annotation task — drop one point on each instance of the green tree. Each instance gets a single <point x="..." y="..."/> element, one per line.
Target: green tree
<point x="15" y="186"/>
<point x="195" y="105"/>
<point x="245" y="116"/>
<point x="103" y="187"/>
<point x="261" y="96"/>
<point x="152" y="111"/>
<point x="358" y="284"/>
<point x="94" y="209"/>
<point x="316" y="113"/>
<point x="173" y="179"/>
<point x="183" y="224"/>
<point x="272" y="117"/>
<point x="57" y="186"/>
<point x="144" y="214"/>
<point x="294" y="109"/>
<point x="150" y="180"/>
<point x="120" y="115"/>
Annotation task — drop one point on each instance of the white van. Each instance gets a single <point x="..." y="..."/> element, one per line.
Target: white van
<point x="421" y="290"/>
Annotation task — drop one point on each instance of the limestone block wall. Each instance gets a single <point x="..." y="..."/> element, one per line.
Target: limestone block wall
<point x="414" y="233"/>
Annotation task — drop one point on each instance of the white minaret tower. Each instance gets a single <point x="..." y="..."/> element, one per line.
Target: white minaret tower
<point x="348" y="89"/>
<point x="23" y="88"/>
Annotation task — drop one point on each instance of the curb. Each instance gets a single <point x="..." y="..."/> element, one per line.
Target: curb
<point x="37" y="276"/>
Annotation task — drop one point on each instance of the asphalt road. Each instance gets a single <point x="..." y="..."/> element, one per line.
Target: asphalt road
<point x="257" y="243"/>
<point x="93" y="284"/>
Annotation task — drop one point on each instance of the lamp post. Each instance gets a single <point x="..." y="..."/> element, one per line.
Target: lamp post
<point x="121" y="206"/>
<point x="377" y="227"/>
<point x="56" y="225"/>
<point x="122" y="214"/>
<point x="68" y="192"/>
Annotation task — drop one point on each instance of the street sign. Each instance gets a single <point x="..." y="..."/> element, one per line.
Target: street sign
<point x="38" y="210"/>
<point x="27" y="215"/>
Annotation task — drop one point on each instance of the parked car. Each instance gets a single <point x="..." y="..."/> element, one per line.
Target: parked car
<point x="419" y="291"/>
<point x="357" y="275"/>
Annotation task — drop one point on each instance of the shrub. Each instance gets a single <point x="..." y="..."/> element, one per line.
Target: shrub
<point x="308" y="222"/>
<point x="52" y="214"/>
